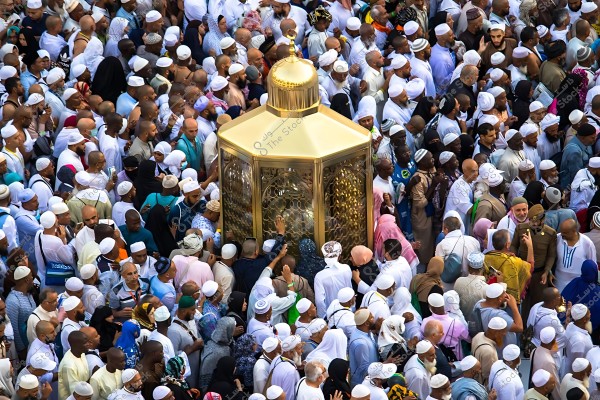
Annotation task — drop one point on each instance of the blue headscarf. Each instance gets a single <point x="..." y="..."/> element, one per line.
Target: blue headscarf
<point x="585" y="290"/>
<point x="127" y="343"/>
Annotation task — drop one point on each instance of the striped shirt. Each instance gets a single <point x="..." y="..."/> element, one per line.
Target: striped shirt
<point x="121" y="296"/>
<point x="19" y="307"/>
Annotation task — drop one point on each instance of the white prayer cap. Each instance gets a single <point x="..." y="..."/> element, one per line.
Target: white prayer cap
<point x="496" y="91"/>
<point x="270" y="344"/>
<point x="290" y="342"/>
<point x="87" y="271"/>
<point x="2" y="234"/>
<point x="435" y="300"/>
<point x="173" y="30"/>
<point x="384" y="281"/>
<point x="485" y="101"/>
<point x="488" y="119"/>
<point x="411" y="27"/>
<point x="129" y="374"/>
<point x="190" y="187"/>
<point x="209" y="288"/>
<point x="535" y="106"/>
<point x="170" y="40"/>
<point x="107" y="245"/>
<point x="283" y="330"/>
<point x="70" y="303"/>
<point x="360" y="391"/>
<point x="540" y="377"/>
<point x="4" y="190"/>
<point x="184" y="52"/>
<point x="135" y="81"/>
<point x="9" y="71"/>
<point x="575" y="116"/>
<point x="542" y="30"/>
<point x="361" y="316"/>
<point x="226" y="42"/>
<point x="8" y="131"/>
<point x="69" y="93"/>
<point x="497" y="324"/>
<point x="161" y="392"/>
<point x="164" y="62"/>
<point x="139" y="63"/>
<point x="153" y="16"/>
<point x="546" y="165"/>
<point x="97" y="17"/>
<point x="580" y="364"/>
<point x="162" y="314"/>
<point x="415" y="88"/>
<point x="54" y="75"/>
<point x="501" y="27"/>
<point x="526" y="165"/>
<point x="73" y="284"/>
<point x="257" y="41"/>
<point x="579" y="311"/>
<point x="345" y="294"/>
<point x="476" y="259"/>
<point x="257" y="396"/>
<point x="438" y="381"/>
<point x="21" y="272"/>
<point x="510" y="134"/>
<point x="34" y="3"/>
<point x="511" y="352"/>
<point x="445" y="156"/>
<point x="78" y="70"/>
<point x="467" y="363"/>
<point x="83" y="389"/>
<point x="471" y="57"/>
<point x="268" y="245"/>
<point x="420" y="154"/>
<point x="520" y="52"/>
<point x="316" y="325"/>
<point x="594" y="162"/>
<point x="494" y="290"/>
<point x="41" y="361"/>
<point x="83" y="178"/>
<point x="419" y="45"/>
<point x="395" y="129"/>
<point x="449" y="138"/>
<point x="28" y="381"/>
<point x="137" y="246"/>
<point x="496" y="74"/>
<point x="549" y="120"/>
<point x="528" y="129"/>
<point x="597" y="375"/>
<point x="497" y="58"/>
<point x="218" y="83"/>
<point x="353" y="24"/>
<point x="588" y="7"/>
<point x="262" y="306"/>
<point x="124" y="188"/>
<point x="331" y="249"/>
<point x="398" y="62"/>
<point x="547" y="334"/>
<point x="395" y="90"/>
<point x="75" y="138"/>
<point x="381" y="370"/>
<point x="340" y="66"/>
<point x="43" y="162"/>
<point x="303" y="305"/>
<point x="274" y="391"/>
<point x="328" y="58"/>
<point x="423" y="346"/>
<point x="47" y="220"/>
<point x="442" y="29"/>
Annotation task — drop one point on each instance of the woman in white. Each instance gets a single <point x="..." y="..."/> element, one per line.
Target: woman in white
<point x="390" y="341"/>
<point x="118" y="30"/>
<point x="6" y="374"/>
<point x="333" y="345"/>
<point x="452" y="306"/>
<point x="403" y="305"/>
<point x="174" y="162"/>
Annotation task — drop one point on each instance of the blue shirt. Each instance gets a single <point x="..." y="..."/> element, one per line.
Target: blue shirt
<point x="575" y="157"/>
<point x="28" y="79"/>
<point x="143" y="235"/>
<point x="362" y="351"/>
<point x="165" y="292"/>
<point x="125" y="103"/>
<point x="132" y="18"/>
<point x="192" y="155"/>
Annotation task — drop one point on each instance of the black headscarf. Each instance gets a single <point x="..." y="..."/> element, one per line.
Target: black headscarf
<point x="161" y="232"/>
<point x="522" y="101"/>
<point x="145" y="183"/>
<point x="568" y="98"/>
<point x="593" y="208"/>
<point x="341" y="104"/>
<point x="467" y="146"/>
<point x="222" y="380"/>
<point x="338" y="371"/>
<point x="433" y="143"/>
<point x="109" y="81"/>
<point x="66" y="175"/>
<point x="190" y="39"/>
<point x="533" y="193"/>
<point x="437" y="19"/>
<point x="32" y="43"/>
<point x="106" y="330"/>
<point x="235" y="305"/>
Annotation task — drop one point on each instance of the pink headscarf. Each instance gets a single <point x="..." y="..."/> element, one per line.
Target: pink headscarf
<point x="377" y="202"/>
<point x="189" y="268"/>
<point x="480" y="230"/>
<point x="388" y="229"/>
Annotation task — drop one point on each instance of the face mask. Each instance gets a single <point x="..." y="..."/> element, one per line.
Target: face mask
<point x="94" y="132"/>
<point x="184" y="165"/>
<point x="131" y="174"/>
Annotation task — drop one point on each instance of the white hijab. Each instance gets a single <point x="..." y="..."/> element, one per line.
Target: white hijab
<point x="455" y="214"/>
<point x="93" y="55"/>
<point x="116" y="32"/>
<point x="402" y="304"/>
<point x="391" y="331"/>
<point x="173" y="161"/>
<point x="334" y="345"/>
<point x="6" y="378"/>
<point x="452" y="306"/>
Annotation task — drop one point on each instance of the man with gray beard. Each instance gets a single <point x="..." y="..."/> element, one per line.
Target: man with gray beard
<point x="420" y="368"/>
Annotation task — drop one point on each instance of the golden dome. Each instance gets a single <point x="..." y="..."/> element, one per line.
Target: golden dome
<point x="293" y="86"/>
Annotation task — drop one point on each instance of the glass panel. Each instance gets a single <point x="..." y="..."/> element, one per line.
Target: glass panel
<point x="236" y="195"/>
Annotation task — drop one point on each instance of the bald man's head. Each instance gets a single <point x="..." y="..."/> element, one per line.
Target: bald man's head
<point x="87" y="23"/>
<point x="470" y="170"/>
<point x="89" y="214"/>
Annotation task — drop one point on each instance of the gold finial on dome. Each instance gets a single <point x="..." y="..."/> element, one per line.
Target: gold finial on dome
<point x="293" y="86"/>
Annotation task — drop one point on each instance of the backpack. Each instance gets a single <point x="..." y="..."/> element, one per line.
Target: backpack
<point x="475" y="322"/>
<point x="64" y="60"/>
<point x="452" y="266"/>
